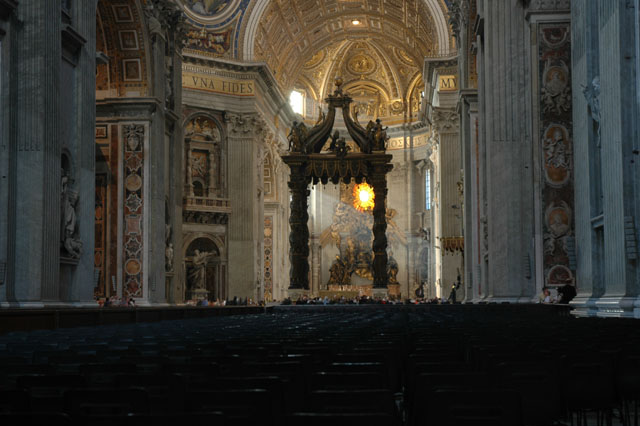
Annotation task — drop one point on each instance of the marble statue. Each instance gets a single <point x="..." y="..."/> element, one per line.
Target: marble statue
<point x="70" y="242"/>
<point x="337" y="272"/>
<point x="197" y="275"/>
<point x="392" y="269"/>
<point x="168" y="257"/>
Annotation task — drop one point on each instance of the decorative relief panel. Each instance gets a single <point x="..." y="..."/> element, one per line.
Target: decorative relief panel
<point x="133" y="195"/>
<point x="556" y="148"/>
<point x="268" y="258"/>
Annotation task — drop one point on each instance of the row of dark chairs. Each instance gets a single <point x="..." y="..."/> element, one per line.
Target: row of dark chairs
<point x="305" y="367"/>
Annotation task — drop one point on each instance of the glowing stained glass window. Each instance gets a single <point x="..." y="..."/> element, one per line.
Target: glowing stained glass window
<point x="427" y="190"/>
<point x="296" y="100"/>
<point x="363" y="197"/>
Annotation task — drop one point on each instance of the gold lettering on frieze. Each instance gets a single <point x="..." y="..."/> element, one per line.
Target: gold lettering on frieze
<point x="448" y="83"/>
<point x="216" y="84"/>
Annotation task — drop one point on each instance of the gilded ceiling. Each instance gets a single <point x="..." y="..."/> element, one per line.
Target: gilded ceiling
<point x="376" y="46"/>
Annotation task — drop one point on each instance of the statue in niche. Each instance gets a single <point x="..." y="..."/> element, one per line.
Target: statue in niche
<point x="168" y="257"/>
<point x="168" y="251"/>
<point x="153" y="22"/>
<point x="70" y="241"/>
<point x="198" y="274"/>
<point x="338" y="272"/>
<point x="190" y="171"/>
<point x="168" y="81"/>
<point x="392" y="269"/>
<point x="592" y="95"/>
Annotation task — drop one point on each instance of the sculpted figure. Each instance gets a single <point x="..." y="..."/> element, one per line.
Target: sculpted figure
<point x="197" y="275"/>
<point x="337" y="271"/>
<point x="392" y="269"/>
<point x="168" y="257"/>
<point x="296" y="137"/>
<point x="70" y="242"/>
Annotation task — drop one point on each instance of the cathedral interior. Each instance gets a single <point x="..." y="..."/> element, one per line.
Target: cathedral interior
<point x="478" y="154"/>
<point x="142" y="151"/>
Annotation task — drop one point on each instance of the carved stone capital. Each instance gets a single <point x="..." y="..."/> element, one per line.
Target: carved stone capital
<point x="445" y="120"/>
<point x="166" y="20"/>
<point x="244" y="125"/>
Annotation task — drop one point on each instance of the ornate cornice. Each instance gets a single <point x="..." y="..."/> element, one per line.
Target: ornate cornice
<point x="534" y="6"/>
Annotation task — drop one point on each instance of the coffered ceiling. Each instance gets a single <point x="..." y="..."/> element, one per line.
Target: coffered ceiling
<point x="377" y="45"/>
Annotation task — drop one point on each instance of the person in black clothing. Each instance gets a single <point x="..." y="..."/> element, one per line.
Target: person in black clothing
<point x="420" y="291"/>
<point x="567" y="292"/>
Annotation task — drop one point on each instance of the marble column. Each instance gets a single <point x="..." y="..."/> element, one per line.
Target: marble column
<point x="619" y="105"/>
<point x="246" y="224"/>
<point x="472" y="245"/>
<point x="504" y="80"/>
<point x="79" y="289"/>
<point x="7" y="149"/>
<point x="447" y="123"/>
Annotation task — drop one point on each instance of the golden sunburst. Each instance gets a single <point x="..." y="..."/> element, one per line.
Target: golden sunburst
<point x="363" y="197"/>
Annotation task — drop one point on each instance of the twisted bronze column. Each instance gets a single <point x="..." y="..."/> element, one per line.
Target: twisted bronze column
<point x="379" y="183"/>
<point x="299" y="234"/>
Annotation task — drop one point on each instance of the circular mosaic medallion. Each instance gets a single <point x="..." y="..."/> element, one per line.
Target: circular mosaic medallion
<point x="132" y="267"/>
<point x="361" y="64"/>
<point x="133" y="183"/>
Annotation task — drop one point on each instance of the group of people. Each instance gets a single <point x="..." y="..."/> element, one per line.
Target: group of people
<point x="566" y="293"/>
<point x="115" y="301"/>
<point x="236" y="301"/>
<point x="342" y="300"/>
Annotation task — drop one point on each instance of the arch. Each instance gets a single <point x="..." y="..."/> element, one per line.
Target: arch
<point x="436" y="9"/>
<point x="252" y="28"/>
<point x="210" y="116"/>
<point x="123" y="37"/>
<point x="215" y="239"/>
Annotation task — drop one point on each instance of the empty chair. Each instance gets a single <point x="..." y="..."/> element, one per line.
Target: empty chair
<point x="14" y="400"/>
<point x="106" y="401"/>
<point x="340" y="419"/>
<point x="22" y="419"/>
<point x="474" y="408"/>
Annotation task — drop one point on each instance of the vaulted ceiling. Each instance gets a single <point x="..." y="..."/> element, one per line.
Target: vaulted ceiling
<point x="312" y="40"/>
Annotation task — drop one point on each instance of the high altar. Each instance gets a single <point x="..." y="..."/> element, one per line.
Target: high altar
<point x="356" y="264"/>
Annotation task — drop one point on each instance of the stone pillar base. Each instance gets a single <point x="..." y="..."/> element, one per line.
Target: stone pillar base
<point x="394" y="289"/>
<point x="296" y="293"/>
<point x="380" y="293"/>
<point x="198" y="294"/>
